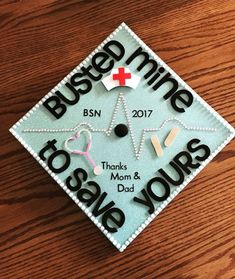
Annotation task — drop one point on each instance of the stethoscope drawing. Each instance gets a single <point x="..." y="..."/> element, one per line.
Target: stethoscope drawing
<point x="96" y="169"/>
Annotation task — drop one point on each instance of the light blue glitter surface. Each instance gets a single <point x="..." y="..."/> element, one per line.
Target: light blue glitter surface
<point x="114" y="150"/>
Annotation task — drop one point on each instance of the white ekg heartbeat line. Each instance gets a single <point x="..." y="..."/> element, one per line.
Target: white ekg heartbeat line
<point x="121" y="100"/>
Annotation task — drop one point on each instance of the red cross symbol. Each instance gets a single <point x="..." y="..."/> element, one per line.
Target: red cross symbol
<point x="121" y="76"/>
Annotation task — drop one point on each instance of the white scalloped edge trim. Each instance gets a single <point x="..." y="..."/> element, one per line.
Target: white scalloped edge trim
<point x="72" y="195"/>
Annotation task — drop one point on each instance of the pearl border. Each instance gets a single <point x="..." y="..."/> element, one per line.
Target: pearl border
<point x="121" y="101"/>
<point x="120" y="247"/>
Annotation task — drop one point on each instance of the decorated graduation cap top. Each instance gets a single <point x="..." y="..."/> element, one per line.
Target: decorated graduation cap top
<point x="122" y="134"/>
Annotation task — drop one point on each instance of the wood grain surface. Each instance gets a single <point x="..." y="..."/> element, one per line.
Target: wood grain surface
<point x="43" y="233"/>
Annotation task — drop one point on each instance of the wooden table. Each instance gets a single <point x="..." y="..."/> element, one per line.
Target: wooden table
<point x="43" y="233"/>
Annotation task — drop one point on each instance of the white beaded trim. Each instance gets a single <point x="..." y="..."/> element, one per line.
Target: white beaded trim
<point x="121" y="100"/>
<point x="120" y="247"/>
